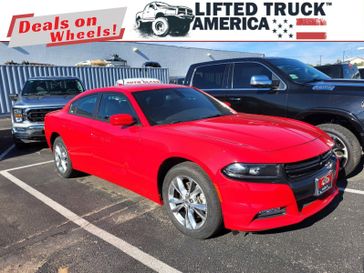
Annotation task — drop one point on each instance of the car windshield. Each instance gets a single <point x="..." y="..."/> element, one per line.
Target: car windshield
<point x="298" y="71"/>
<point x="161" y="4"/>
<point x="52" y="87"/>
<point x="173" y="105"/>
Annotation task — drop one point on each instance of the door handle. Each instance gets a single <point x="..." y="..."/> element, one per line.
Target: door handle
<point x="234" y="99"/>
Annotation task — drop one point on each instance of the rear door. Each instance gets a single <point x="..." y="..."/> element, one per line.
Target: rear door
<point x="77" y="130"/>
<point x="214" y="79"/>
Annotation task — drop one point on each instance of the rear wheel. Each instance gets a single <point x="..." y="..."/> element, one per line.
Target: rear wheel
<point x="139" y="23"/>
<point x="191" y="201"/>
<point x="61" y="159"/>
<point x="347" y="146"/>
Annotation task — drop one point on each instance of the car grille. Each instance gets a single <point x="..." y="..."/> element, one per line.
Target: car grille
<point x="37" y="115"/>
<point x="307" y="167"/>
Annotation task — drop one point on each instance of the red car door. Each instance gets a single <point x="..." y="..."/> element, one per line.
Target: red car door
<point x="116" y="148"/>
<point x="76" y="128"/>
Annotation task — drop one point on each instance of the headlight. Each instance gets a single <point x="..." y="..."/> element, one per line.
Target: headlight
<point x="18" y="115"/>
<point x="254" y="172"/>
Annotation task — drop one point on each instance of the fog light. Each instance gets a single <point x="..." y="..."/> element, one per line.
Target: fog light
<point x="270" y="213"/>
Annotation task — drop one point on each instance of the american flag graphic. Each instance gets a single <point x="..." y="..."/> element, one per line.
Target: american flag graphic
<point x="300" y="28"/>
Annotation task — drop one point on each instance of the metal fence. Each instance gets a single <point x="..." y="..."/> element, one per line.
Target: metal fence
<point x="13" y="77"/>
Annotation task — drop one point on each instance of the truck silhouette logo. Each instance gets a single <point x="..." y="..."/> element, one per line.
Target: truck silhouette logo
<point x="162" y="19"/>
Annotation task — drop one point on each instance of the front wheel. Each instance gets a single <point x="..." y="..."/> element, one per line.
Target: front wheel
<point x="347" y="146"/>
<point x="61" y="159"/>
<point x="160" y="26"/>
<point x="19" y="144"/>
<point x="191" y="201"/>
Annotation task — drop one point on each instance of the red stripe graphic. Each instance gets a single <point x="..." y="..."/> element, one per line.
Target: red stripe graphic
<point x="311" y="35"/>
<point x="310" y="22"/>
<point x="13" y="20"/>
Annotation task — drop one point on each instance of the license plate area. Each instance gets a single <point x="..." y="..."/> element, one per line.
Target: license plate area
<point x="323" y="183"/>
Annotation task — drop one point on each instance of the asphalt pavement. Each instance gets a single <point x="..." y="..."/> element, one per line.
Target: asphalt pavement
<point x="85" y="224"/>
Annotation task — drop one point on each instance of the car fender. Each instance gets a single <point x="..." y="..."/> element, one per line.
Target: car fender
<point x="353" y="120"/>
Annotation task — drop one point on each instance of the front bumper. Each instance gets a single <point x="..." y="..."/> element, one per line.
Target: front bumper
<point x="185" y="17"/>
<point x="31" y="133"/>
<point x="242" y="201"/>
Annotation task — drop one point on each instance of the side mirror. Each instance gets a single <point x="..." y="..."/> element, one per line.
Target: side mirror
<point x="227" y="103"/>
<point x="122" y="120"/>
<point x="261" y="81"/>
<point x="14" y="97"/>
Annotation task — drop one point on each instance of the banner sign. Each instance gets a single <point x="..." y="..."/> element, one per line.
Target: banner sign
<point x="177" y="20"/>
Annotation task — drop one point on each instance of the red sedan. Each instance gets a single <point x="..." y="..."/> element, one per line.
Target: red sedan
<point x="208" y="165"/>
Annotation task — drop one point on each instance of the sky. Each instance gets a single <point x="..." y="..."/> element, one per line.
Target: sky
<point x="308" y="52"/>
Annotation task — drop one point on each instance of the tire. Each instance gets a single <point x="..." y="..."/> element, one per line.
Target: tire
<point x="160" y="26"/>
<point x="347" y="148"/>
<point x="201" y="201"/>
<point x="19" y="144"/>
<point x="139" y="24"/>
<point x="62" y="160"/>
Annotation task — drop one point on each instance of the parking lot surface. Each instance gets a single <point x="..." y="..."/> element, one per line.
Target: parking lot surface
<point x="85" y="224"/>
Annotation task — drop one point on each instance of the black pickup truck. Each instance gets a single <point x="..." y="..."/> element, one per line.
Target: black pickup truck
<point x="290" y="88"/>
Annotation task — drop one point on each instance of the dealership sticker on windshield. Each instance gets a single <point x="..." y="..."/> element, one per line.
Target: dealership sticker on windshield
<point x="324" y="183"/>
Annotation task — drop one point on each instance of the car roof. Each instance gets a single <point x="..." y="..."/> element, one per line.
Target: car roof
<point x="52" y="78"/>
<point x="244" y="59"/>
<point x="136" y="88"/>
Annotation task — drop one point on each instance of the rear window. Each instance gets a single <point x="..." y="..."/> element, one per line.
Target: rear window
<point x="334" y="71"/>
<point x="351" y="72"/>
<point x="211" y="77"/>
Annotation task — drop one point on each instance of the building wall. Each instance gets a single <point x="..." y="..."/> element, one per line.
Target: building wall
<point x="13" y="77"/>
<point x="177" y="59"/>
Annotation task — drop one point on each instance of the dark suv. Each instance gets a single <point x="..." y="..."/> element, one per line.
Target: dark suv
<point x="340" y="71"/>
<point x="290" y="88"/>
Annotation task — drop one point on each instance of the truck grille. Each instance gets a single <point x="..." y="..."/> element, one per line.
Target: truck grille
<point x="184" y="11"/>
<point x="37" y="115"/>
<point x="307" y="167"/>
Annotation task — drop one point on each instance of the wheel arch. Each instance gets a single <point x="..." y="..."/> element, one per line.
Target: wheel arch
<point x="53" y="137"/>
<point x="159" y="14"/>
<point x="172" y="161"/>
<point x="343" y="118"/>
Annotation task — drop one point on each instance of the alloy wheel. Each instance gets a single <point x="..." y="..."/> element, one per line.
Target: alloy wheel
<point x="61" y="158"/>
<point x="340" y="150"/>
<point x="187" y="202"/>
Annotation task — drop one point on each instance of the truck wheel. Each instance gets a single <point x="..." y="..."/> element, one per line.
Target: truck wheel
<point x="347" y="147"/>
<point x="139" y="24"/>
<point x="19" y="144"/>
<point x="62" y="159"/>
<point x="160" y="26"/>
<point x="191" y="201"/>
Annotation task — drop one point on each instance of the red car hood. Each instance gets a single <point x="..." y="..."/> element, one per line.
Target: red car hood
<point x="259" y="132"/>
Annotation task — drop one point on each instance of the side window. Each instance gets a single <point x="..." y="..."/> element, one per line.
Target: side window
<point x="244" y="71"/>
<point x="84" y="106"/>
<point x="112" y="104"/>
<point x="210" y="77"/>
